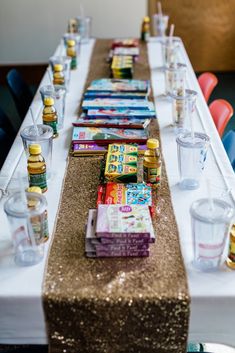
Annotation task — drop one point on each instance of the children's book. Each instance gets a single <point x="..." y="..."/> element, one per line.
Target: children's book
<point x="92" y="149"/>
<point x="126" y="247"/>
<point x="119" y="85"/>
<point x="113" y="103"/>
<point x="104" y="136"/>
<point x="119" y="95"/>
<point x="127" y="43"/>
<point x="123" y="113"/>
<point x="114" y="123"/>
<point x="124" y="221"/>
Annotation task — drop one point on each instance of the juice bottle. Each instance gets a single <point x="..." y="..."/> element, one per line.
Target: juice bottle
<point x="231" y="256"/>
<point x="58" y="75"/>
<point x="49" y="115"/>
<point x="152" y="163"/>
<point x="37" y="167"/>
<point x="145" y="29"/>
<point x="71" y="51"/>
<point x="44" y="231"/>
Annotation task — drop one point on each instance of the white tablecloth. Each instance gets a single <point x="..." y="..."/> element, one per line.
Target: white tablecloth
<point x="21" y="312"/>
<point x="212" y="294"/>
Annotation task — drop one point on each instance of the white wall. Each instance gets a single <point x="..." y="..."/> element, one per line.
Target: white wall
<point x="30" y="30"/>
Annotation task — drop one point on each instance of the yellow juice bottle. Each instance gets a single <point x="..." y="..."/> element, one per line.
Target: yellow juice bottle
<point x="231" y="256"/>
<point x="152" y="163"/>
<point x="37" y="167"/>
<point x="49" y="115"/>
<point x="71" y="51"/>
<point x="58" y="75"/>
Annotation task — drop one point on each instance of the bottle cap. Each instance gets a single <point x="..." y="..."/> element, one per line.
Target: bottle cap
<point x="58" y="67"/>
<point x="35" y="149"/>
<point x="48" y="101"/>
<point x="36" y="189"/>
<point x="152" y="143"/>
<point x="71" y="43"/>
<point x="146" y="19"/>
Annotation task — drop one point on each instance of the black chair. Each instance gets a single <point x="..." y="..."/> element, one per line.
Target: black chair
<point x="5" y="145"/>
<point x="6" y="125"/>
<point x="20" y="92"/>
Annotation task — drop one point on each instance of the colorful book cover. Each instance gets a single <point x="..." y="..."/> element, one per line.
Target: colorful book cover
<point x="130" y="194"/>
<point x="119" y="85"/>
<point x="105" y="136"/>
<point x="133" y="51"/>
<point x="85" y="149"/>
<point x="125" y="221"/>
<point x="123" y="113"/>
<point x="127" y="43"/>
<point x="92" y="240"/>
<point x="113" y="103"/>
<point x="115" y="123"/>
<point x="94" y="248"/>
<point x="119" y="95"/>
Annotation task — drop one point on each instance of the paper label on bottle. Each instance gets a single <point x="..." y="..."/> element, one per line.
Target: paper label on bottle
<point x="38" y="180"/>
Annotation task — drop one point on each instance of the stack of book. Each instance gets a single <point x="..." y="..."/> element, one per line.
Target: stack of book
<point x="119" y="231"/>
<point x="122" y="56"/>
<point x="114" y="110"/>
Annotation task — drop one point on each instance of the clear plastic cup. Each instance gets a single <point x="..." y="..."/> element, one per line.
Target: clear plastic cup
<point x="191" y="158"/>
<point x="84" y="28"/>
<point x="183" y="107"/>
<point x="210" y="228"/>
<point x="77" y="38"/>
<point x="58" y="93"/>
<point x="175" y="79"/>
<point x="45" y="139"/>
<point x="65" y="61"/>
<point x="170" y="49"/>
<point x="160" y="24"/>
<point x="27" y="224"/>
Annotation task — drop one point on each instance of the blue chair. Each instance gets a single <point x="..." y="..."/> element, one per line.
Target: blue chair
<point x="229" y="145"/>
<point x="5" y="143"/>
<point x="20" y="92"/>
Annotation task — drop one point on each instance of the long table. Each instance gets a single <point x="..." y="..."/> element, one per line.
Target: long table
<point x="212" y="294"/>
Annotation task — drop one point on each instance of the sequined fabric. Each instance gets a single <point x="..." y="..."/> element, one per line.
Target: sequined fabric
<point x="116" y="305"/>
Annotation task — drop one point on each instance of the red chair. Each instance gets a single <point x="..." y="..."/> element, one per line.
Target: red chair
<point x="221" y="112"/>
<point x="207" y="82"/>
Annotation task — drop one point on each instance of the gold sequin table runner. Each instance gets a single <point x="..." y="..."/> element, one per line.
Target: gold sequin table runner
<point x="114" y="305"/>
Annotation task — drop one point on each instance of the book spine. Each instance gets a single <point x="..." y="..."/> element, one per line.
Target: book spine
<point x="120" y="241"/>
<point x="137" y="253"/>
<point x="120" y="247"/>
<point x="123" y="235"/>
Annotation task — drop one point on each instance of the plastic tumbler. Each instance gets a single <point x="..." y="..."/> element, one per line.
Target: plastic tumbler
<point x="44" y="138"/>
<point x="192" y="153"/>
<point x="84" y="28"/>
<point x="183" y="107"/>
<point x="170" y="48"/>
<point x="27" y="222"/>
<point x="175" y="79"/>
<point x="74" y="51"/>
<point x="58" y="93"/>
<point x="210" y="228"/>
<point x="160" y="23"/>
<point x="65" y="61"/>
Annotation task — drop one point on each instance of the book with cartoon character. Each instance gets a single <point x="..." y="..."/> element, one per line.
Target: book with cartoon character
<point x="124" y="221"/>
